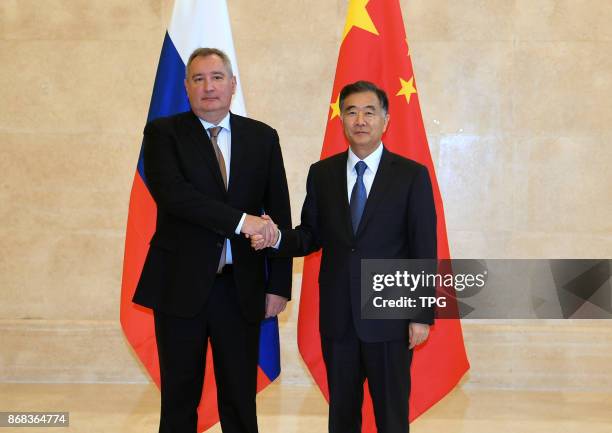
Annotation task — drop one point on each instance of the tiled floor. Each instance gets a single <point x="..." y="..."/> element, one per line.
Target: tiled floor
<point x="131" y="408"/>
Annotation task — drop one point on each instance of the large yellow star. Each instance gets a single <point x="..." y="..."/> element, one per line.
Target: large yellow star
<point x="407" y="89"/>
<point x="335" y="106"/>
<point x="357" y="16"/>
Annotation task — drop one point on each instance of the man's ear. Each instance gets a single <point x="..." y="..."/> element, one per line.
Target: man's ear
<point x="387" y="118"/>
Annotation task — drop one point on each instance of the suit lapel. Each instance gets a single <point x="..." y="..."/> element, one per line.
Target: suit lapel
<point x="338" y="186"/>
<point x="238" y="150"/>
<point x="198" y="138"/>
<point x="384" y="175"/>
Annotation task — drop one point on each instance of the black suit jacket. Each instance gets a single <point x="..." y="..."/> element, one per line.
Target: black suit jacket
<point x="195" y="214"/>
<point x="399" y="221"/>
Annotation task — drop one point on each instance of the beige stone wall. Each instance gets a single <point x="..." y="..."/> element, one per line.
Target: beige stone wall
<point x="515" y="96"/>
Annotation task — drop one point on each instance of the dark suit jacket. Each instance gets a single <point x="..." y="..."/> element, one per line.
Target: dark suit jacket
<point x="399" y="221"/>
<point x="195" y="214"/>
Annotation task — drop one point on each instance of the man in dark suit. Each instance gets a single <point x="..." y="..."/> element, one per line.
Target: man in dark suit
<point x="211" y="173"/>
<point x="366" y="203"/>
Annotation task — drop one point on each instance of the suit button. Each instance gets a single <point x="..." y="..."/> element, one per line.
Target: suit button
<point x="353" y="250"/>
<point x="220" y="245"/>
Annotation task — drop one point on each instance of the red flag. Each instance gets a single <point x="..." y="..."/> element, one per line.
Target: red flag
<point x="374" y="48"/>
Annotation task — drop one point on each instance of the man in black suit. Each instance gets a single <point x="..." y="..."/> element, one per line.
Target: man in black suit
<point x="211" y="173"/>
<point x="366" y="203"/>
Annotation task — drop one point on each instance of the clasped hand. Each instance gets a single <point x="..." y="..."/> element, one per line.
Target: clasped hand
<point x="262" y="231"/>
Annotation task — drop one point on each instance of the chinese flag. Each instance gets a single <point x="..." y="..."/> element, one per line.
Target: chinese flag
<point x="374" y="48"/>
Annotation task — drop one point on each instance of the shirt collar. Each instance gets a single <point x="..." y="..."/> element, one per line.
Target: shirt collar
<point x="372" y="160"/>
<point x="224" y="124"/>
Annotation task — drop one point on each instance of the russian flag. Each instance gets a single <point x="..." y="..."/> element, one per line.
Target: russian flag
<point x="194" y="23"/>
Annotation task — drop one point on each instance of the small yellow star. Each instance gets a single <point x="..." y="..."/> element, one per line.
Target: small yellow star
<point x="407" y="89"/>
<point x="357" y="16"/>
<point x="335" y="106"/>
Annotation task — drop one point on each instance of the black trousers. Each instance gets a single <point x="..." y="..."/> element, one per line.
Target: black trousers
<point x="386" y="365"/>
<point x="181" y="344"/>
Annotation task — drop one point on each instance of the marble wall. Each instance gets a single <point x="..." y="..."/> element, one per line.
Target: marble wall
<point x="515" y="95"/>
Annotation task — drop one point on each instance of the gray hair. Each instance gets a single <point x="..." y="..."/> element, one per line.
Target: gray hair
<point x="365" y="86"/>
<point x="205" y="52"/>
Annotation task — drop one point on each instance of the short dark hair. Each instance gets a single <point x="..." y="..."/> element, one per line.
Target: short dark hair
<point x="364" y="86"/>
<point x="205" y="52"/>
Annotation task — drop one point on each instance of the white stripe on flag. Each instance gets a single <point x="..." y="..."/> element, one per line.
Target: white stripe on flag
<point x="205" y="23"/>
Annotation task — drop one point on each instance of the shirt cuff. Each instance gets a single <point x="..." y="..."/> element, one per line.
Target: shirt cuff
<point x="239" y="227"/>
<point x="277" y="244"/>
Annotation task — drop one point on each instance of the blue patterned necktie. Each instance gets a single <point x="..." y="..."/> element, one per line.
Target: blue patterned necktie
<point x="358" y="196"/>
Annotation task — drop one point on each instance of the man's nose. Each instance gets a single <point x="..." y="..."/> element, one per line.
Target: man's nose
<point x="208" y="85"/>
<point x="360" y="118"/>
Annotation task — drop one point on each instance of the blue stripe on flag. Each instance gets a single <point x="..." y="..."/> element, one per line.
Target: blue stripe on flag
<point x="269" y="348"/>
<point x="169" y="95"/>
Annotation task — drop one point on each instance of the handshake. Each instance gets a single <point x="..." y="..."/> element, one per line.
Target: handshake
<point x="262" y="231"/>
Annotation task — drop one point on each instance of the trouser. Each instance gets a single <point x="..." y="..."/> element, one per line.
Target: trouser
<point x="182" y="344"/>
<point x="386" y="365"/>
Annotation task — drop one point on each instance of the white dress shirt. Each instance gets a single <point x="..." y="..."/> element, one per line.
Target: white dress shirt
<point x="224" y="141"/>
<point x="372" y="161"/>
